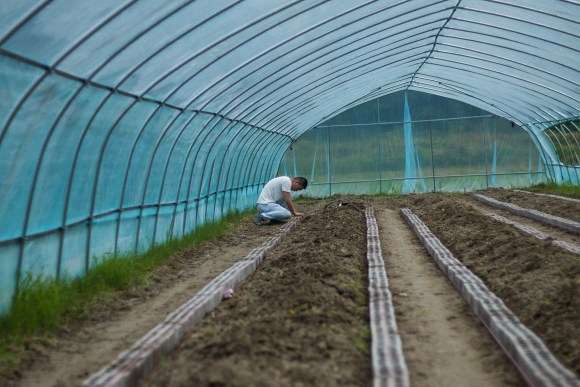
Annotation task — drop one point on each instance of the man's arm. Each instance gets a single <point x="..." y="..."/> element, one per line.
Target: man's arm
<point x="288" y="199"/>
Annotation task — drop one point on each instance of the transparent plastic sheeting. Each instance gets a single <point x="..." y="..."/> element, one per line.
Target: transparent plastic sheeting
<point x="124" y="122"/>
<point x="389" y="146"/>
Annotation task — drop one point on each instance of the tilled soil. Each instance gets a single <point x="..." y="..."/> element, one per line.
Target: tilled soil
<point x="443" y="342"/>
<point x="539" y="282"/>
<point x="112" y="325"/>
<point x="553" y="206"/>
<point x="301" y="319"/>
<point x="552" y="232"/>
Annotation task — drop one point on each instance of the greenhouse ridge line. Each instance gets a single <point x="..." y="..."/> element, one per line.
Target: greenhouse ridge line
<point x="434" y="44"/>
<point x="404" y="122"/>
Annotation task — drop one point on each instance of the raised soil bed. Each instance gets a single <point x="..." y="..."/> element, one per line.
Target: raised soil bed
<point x="539" y="282"/>
<point x="553" y="206"/>
<point x="301" y="319"/>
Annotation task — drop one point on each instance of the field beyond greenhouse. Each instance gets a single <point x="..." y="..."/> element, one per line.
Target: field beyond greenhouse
<point x="319" y="302"/>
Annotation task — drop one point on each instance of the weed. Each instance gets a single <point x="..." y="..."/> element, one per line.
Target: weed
<point x="42" y="305"/>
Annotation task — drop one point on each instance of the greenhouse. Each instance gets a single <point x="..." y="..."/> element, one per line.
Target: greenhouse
<point x="126" y="125"/>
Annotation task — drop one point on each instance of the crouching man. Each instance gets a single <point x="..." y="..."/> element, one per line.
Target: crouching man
<point x="275" y="201"/>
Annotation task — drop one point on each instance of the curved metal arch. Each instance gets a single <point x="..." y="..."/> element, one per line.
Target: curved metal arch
<point x="535" y="90"/>
<point x="277" y="73"/>
<point x="241" y="168"/>
<point x="158" y="143"/>
<point x="506" y="74"/>
<point x="308" y="87"/>
<point x="154" y="25"/>
<point x="406" y="60"/>
<point x="37" y="9"/>
<point x="47" y="71"/>
<point x="570" y="152"/>
<point x="434" y="42"/>
<point x="240" y="146"/>
<point x="515" y="5"/>
<point x="162" y="185"/>
<point x="226" y="126"/>
<point x="193" y="164"/>
<point x="506" y="114"/>
<point x="249" y="157"/>
<point x="376" y="93"/>
<point x="515" y="63"/>
<point x="521" y="20"/>
<point x="551" y="137"/>
<point x="210" y="175"/>
<point x="510" y="82"/>
<point x="97" y="176"/>
<point x="328" y="33"/>
<point x="492" y="26"/>
<point x="241" y="101"/>
<point x="126" y="175"/>
<point x="354" y="90"/>
<point x="238" y="97"/>
<point x="260" y="156"/>
<point x="511" y="49"/>
<point x="235" y="141"/>
<point x="214" y="44"/>
<point x="525" y="112"/>
<point x="446" y="85"/>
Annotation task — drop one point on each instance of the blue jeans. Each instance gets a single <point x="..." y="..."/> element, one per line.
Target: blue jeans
<point x="274" y="211"/>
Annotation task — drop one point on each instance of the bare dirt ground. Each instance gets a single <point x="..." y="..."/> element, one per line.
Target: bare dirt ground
<point x="553" y="206"/>
<point x="444" y="344"/>
<point x="114" y="325"/>
<point x="553" y="232"/>
<point x="539" y="282"/>
<point x="300" y="320"/>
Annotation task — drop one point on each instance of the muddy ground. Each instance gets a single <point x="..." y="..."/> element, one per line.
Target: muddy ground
<point x="301" y="319"/>
<point x="113" y="324"/>
<point x="553" y="206"/>
<point x="539" y="282"/>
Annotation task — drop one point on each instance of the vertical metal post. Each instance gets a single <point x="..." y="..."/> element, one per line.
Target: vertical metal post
<point x="432" y="157"/>
<point x="485" y="151"/>
<point x="380" y="165"/>
<point x="328" y="160"/>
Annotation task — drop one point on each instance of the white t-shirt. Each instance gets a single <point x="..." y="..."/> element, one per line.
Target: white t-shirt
<point x="272" y="191"/>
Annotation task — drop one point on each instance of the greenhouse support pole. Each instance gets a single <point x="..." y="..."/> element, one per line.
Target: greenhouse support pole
<point x="328" y="158"/>
<point x="432" y="157"/>
<point x="485" y="158"/>
<point x="380" y="163"/>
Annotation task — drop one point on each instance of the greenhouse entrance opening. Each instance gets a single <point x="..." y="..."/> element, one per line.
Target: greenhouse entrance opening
<point x="414" y="142"/>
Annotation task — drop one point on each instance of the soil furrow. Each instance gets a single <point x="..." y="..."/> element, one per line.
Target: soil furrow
<point x="444" y="344"/>
<point x="538" y="281"/>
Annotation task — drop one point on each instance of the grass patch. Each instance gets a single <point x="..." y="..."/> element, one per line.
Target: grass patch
<point x="560" y="189"/>
<point x="43" y="305"/>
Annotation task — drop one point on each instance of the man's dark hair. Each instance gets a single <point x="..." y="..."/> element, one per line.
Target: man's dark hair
<point x="302" y="181"/>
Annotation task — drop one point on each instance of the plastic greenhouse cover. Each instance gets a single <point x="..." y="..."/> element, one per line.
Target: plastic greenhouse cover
<point x="123" y="122"/>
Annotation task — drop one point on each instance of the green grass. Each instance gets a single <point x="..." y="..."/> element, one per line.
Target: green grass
<point x="42" y="305"/>
<point x="560" y="189"/>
